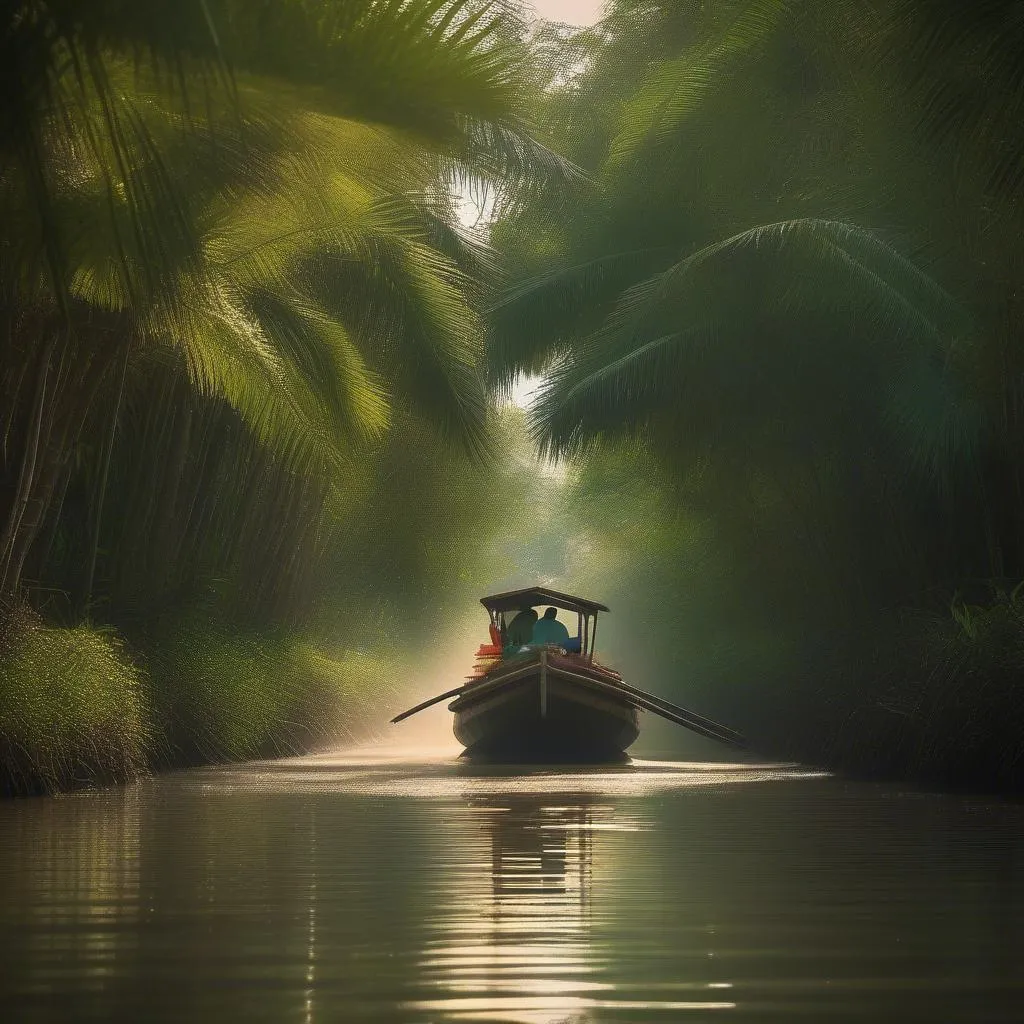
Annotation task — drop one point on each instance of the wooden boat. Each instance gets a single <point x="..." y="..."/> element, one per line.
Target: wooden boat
<point x="550" y="703"/>
<point x="546" y="705"/>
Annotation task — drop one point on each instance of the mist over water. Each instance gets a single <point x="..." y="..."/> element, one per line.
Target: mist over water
<point x="398" y="884"/>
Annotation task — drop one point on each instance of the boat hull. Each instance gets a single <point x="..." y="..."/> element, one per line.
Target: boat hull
<point x="545" y="710"/>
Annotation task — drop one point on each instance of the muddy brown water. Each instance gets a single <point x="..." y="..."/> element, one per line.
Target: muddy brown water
<point x="382" y="885"/>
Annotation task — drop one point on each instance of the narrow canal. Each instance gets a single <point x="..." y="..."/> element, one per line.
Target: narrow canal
<point x="376" y="886"/>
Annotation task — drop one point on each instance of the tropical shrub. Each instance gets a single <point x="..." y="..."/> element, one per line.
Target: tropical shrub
<point x="73" y="708"/>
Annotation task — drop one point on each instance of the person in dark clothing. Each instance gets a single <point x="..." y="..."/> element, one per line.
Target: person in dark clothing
<point x="520" y="631"/>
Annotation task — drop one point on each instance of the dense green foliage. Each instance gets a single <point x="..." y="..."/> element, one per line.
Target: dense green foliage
<point x="236" y="303"/>
<point x="73" y="708"/>
<point x="222" y="691"/>
<point x="78" y="707"/>
<point x="226" y="267"/>
<point x="766" y="256"/>
<point x="788" y="303"/>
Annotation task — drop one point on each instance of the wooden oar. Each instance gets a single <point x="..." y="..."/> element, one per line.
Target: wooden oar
<point x="427" y="703"/>
<point x="692" y="719"/>
<point x="672" y="712"/>
<point x="727" y="736"/>
<point x="469" y="688"/>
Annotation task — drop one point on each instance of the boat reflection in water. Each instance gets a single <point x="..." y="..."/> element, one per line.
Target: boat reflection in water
<point x="523" y="941"/>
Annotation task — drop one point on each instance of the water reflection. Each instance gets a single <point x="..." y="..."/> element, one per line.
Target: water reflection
<point x="76" y="867"/>
<point x="347" y="889"/>
<point x="522" y="942"/>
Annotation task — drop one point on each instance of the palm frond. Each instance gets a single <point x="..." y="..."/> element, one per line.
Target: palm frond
<point x="962" y="65"/>
<point x="832" y="301"/>
<point x="678" y="85"/>
<point x="532" y="321"/>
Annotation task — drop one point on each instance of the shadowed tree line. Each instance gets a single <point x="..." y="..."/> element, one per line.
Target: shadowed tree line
<point x="766" y="255"/>
<point x="236" y="300"/>
<point x="780" y="331"/>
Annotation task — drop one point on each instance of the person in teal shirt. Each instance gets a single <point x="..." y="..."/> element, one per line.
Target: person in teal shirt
<point x="549" y="630"/>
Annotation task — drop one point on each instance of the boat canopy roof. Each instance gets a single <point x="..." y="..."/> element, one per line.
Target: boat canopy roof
<point x="514" y="600"/>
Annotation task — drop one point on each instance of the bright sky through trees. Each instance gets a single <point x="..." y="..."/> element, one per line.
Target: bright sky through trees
<point x="523" y="391"/>
<point x="572" y="12"/>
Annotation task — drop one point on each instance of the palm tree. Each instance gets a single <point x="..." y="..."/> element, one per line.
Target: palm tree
<point x="266" y="196"/>
<point x="654" y="306"/>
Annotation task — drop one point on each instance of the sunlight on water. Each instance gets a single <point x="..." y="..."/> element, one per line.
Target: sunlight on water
<point x="404" y="885"/>
<point x="436" y="773"/>
<point x="517" y="941"/>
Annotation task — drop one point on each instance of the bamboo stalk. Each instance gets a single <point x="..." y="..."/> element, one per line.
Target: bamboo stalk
<point x="101" y="490"/>
<point x="26" y="476"/>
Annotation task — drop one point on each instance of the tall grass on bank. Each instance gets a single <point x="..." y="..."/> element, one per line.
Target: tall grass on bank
<point x="73" y="708"/>
<point x="222" y="692"/>
<point x="946" y="705"/>
<point x="76" y="709"/>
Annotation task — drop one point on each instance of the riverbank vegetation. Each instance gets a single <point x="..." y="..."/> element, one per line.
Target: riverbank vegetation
<point x="786" y="313"/>
<point x="236" y="301"/>
<point x="72" y="708"/>
<point x="766" y="257"/>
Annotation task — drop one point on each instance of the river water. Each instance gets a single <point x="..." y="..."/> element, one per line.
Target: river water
<point x="387" y="886"/>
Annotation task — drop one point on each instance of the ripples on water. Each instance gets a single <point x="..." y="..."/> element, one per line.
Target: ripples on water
<point x="383" y="887"/>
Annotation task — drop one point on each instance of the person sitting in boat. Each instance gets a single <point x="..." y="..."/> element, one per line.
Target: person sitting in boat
<point x="520" y="631"/>
<point x="549" y="630"/>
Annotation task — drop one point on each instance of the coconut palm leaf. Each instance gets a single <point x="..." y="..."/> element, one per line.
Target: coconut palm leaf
<point x="962" y="64"/>
<point x="679" y="346"/>
<point x="178" y="205"/>
<point x="536" y="319"/>
<point x="136" y="149"/>
<point x="677" y="86"/>
<point x="376" y="61"/>
<point x="418" y="330"/>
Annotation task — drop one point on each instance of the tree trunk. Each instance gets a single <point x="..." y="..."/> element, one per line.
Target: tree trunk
<point x="97" y="518"/>
<point x="167" y="524"/>
<point x="11" y="544"/>
<point x="41" y="558"/>
<point x="47" y="477"/>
